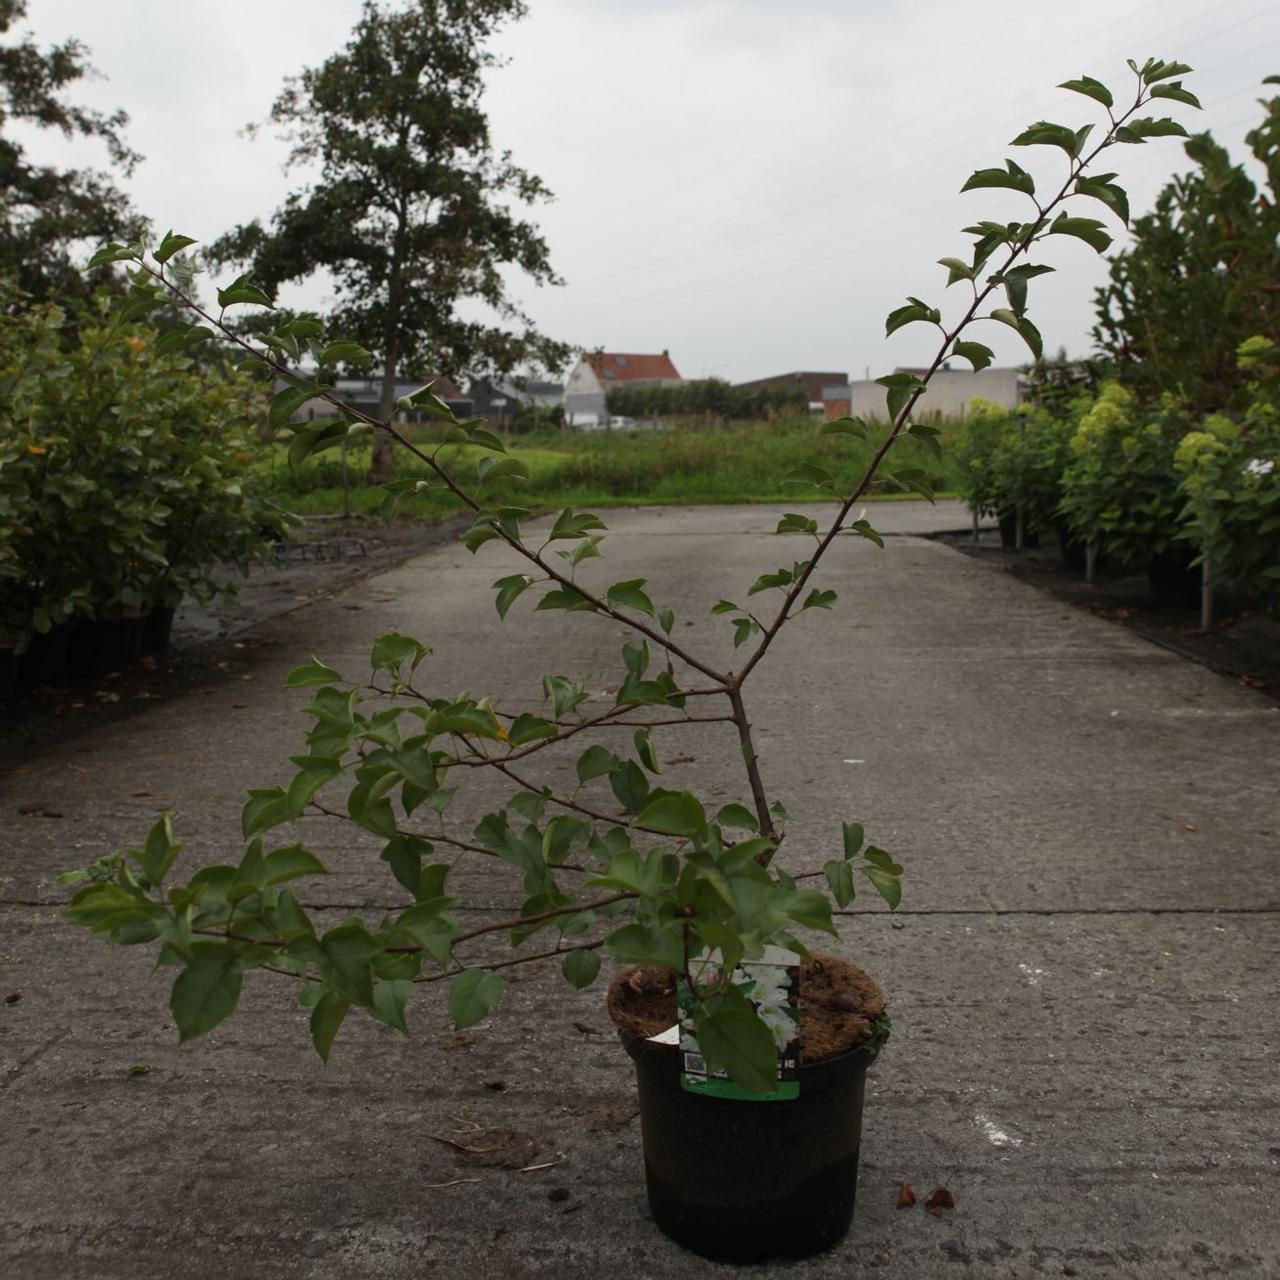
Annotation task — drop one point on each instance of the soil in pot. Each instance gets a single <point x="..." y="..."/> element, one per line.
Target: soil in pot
<point x="742" y="1181"/>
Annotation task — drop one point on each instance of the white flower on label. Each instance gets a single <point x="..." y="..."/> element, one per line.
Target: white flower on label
<point x="776" y="1015"/>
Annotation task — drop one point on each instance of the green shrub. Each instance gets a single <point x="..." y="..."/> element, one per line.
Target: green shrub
<point x="1230" y="484"/>
<point x="1120" y="491"/>
<point x="125" y="470"/>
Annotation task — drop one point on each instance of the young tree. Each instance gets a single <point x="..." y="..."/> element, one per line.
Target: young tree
<point x="410" y="209"/>
<point x="1202" y="275"/>
<point x="44" y="210"/>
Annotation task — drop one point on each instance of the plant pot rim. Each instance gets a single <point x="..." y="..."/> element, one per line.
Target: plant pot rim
<point x="634" y="1029"/>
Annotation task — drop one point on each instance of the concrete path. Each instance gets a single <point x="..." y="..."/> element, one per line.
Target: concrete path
<point x="1082" y="977"/>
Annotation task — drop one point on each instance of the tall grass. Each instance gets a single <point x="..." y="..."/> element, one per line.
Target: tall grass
<point x="736" y="462"/>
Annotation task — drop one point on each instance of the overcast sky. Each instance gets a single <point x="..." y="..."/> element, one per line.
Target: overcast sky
<point x="751" y="184"/>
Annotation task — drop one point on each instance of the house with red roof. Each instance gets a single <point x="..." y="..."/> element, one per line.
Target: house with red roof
<point x="597" y="372"/>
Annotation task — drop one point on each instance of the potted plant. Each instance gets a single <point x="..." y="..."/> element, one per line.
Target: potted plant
<point x="758" y="1069"/>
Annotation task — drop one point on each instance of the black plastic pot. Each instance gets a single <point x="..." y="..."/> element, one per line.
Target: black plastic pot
<point x="1009" y="533"/>
<point x="10" y="663"/>
<point x="156" y="629"/>
<point x="99" y="645"/>
<point x="744" y="1181"/>
<point x="45" y="660"/>
<point x="1074" y="551"/>
<point x="1172" y="581"/>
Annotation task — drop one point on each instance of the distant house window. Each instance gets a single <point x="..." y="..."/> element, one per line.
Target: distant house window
<point x="609" y="373"/>
<point x="620" y="361"/>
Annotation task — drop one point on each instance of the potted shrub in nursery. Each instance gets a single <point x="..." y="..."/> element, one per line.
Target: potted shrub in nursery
<point x="750" y="1049"/>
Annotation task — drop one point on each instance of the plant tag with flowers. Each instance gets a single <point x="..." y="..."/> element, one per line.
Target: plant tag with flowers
<point x="772" y="986"/>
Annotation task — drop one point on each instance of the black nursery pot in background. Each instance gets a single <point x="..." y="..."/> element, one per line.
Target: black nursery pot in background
<point x="1173" y="582"/>
<point x="743" y="1181"/>
<point x="100" y="645"/>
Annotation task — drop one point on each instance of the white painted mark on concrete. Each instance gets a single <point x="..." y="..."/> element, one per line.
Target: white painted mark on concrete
<point x="850" y="761"/>
<point x="1031" y="975"/>
<point x="994" y="1134"/>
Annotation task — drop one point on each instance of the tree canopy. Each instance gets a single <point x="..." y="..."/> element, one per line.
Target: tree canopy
<point x="411" y="210"/>
<point x="1202" y="275"/>
<point x="45" y="211"/>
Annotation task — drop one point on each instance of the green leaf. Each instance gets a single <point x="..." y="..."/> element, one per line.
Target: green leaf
<point x="344" y="353"/>
<point x="288" y="863"/>
<point x="391" y="651"/>
<point x="724" y="606"/>
<point x="743" y="629"/>
<point x="1090" y="230"/>
<point x="1140" y="128"/>
<point x="645" y="751"/>
<point x="565" y="597"/>
<point x="1155" y="69"/>
<point x="840" y="877"/>
<point x="170" y="245"/>
<point x="1102" y="188"/>
<point x="347" y="951"/>
<point x="266" y="807"/>
<point x="628" y="595"/>
<point x="737" y="815"/>
<point x="404" y="854"/>
<point x="957" y="270"/>
<point x="853" y="838"/>
<point x="471" y="995"/>
<point x="1011" y="177"/>
<point x="595" y="762"/>
<point x="914" y="311"/>
<point x="795" y="523"/>
<point x="206" y="990"/>
<point x="878" y="858"/>
<point x="313" y="773"/>
<point x="819" y="599"/>
<point x="975" y="353"/>
<point x="810" y="908"/>
<point x="647" y="944"/>
<point x="326" y="1018"/>
<point x="389" y="1000"/>
<point x="1091" y="88"/>
<point x="1177" y="93"/>
<point x="845" y="427"/>
<point x="736" y="1041"/>
<point x="580" y="968"/>
<point x="160" y="850"/>
<point x="629" y="785"/>
<point x="888" y="886"/>
<point x="1030" y="334"/>
<point x="809" y="473"/>
<point x="678" y="814"/>
<point x="112" y="253"/>
<point x="242" y="290"/>
<point x="313" y="672"/>
<point x="497" y="468"/>
<point x="1045" y="133"/>
<point x="901" y="387"/>
<point x="529" y="728"/>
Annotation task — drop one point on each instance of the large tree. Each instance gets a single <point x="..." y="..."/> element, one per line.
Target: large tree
<point x="46" y="212"/>
<point x="1201" y="276"/>
<point x="411" y="211"/>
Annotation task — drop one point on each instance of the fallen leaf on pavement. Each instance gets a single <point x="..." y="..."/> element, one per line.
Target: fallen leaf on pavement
<point x="939" y="1198"/>
<point x="906" y="1195"/>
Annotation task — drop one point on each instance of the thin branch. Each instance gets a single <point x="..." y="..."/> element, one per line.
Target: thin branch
<point x="506" y="964"/>
<point x="599" y="604"/>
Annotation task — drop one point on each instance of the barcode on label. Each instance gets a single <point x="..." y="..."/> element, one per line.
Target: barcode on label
<point x="694" y="1065"/>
